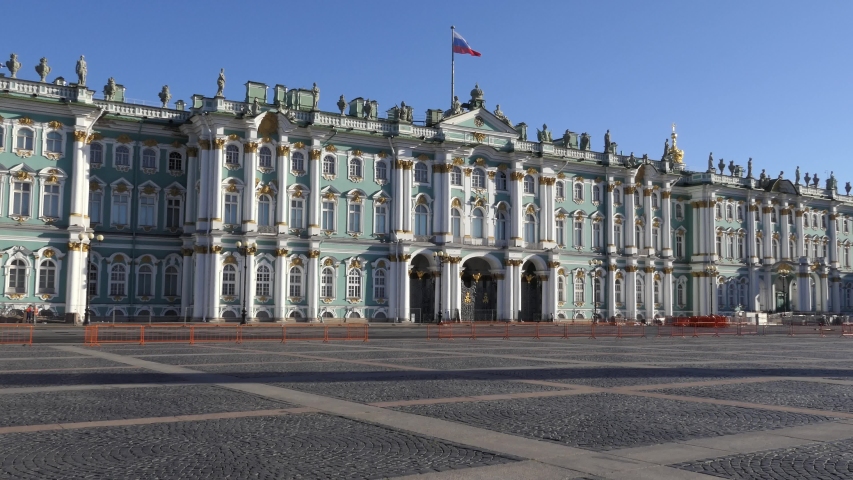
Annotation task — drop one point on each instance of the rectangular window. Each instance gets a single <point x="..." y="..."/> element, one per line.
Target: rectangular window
<point x="146" y="211"/>
<point x="561" y="232"/>
<point x="847" y="257"/>
<point x="296" y="209"/>
<point x="328" y="216"/>
<point x="50" y="201"/>
<point x="230" y="217"/>
<point x="173" y="212"/>
<point x="120" y="208"/>
<point x="21" y="199"/>
<point x="578" y="234"/>
<point x="94" y="207"/>
<point x="354" y="218"/>
<point x="380" y="219"/>
<point x="47" y="280"/>
<point x="679" y="246"/>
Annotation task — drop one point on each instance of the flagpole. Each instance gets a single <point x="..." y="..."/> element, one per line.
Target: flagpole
<point x="452" y="66"/>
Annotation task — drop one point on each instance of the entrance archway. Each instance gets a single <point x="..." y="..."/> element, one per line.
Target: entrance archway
<point x="531" y="293"/>
<point x="478" y="292"/>
<point x="422" y="289"/>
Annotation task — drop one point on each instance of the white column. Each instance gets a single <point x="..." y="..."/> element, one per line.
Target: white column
<point x="250" y="206"/>
<point x="801" y="251"/>
<point x="649" y="294"/>
<point x="315" y="198"/>
<point x="666" y="232"/>
<point x="696" y="289"/>
<point x="547" y="222"/>
<point x="217" y="164"/>
<point x="280" y="287"/>
<point x="630" y="291"/>
<point x="833" y="239"/>
<point x="752" y="215"/>
<point x="836" y="293"/>
<point x="250" y="287"/>
<point x="187" y="273"/>
<point x="610" y="240"/>
<point x="784" y="252"/>
<point x="516" y="288"/>
<point x="767" y="227"/>
<point x="516" y="179"/>
<point x="214" y="276"/>
<point x="405" y="285"/>
<point x="753" y="288"/>
<point x="648" y="213"/>
<point x="281" y="206"/>
<point x="313" y="278"/>
<point x="551" y="289"/>
<point x="190" y="206"/>
<point x="391" y="287"/>
<point x="199" y="262"/>
<point x="79" y="209"/>
<point x="440" y="202"/>
<point x="668" y="300"/>
<point x="407" y="201"/>
<point x="75" y="297"/>
<point x="205" y="187"/>
<point x="508" y="286"/>
<point x="611" y="290"/>
<point x="630" y="221"/>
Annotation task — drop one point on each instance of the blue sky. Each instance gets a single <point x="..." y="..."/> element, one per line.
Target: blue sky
<point x="768" y="80"/>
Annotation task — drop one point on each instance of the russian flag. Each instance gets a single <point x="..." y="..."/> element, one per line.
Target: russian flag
<point x="461" y="46"/>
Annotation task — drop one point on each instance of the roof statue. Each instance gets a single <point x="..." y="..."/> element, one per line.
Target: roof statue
<point x="567" y="138"/>
<point x="831" y="182"/>
<point x="732" y="167"/>
<point x="13" y="65"/>
<point x="584" y="141"/>
<point x="711" y="162"/>
<point x="797" y="176"/>
<point x="808" y="179"/>
<point x="42" y="69"/>
<point x="544" y="135"/>
<point x="456" y="106"/>
<point x="815" y="180"/>
<point x="315" y="90"/>
<point x="762" y="177"/>
<point x="165" y="96"/>
<point x="749" y="168"/>
<point x="110" y="89"/>
<point x="477" y="100"/>
<point x="631" y="161"/>
<point x="781" y="175"/>
<point x="500" y="115"/>
<point x="81" y="71"/>
<point x="847" y="188"/>
<point x="607" y="141"/>
<point x="722" y="166"/>
<point x="368" y="108"/>
<point x="220" y="83"/>
<point x="342" y="104"/>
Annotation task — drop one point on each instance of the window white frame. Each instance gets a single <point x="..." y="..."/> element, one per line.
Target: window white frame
<point x="175" y="162"/>
<point x="96" y="154"/>
<point x="354" y="284"/>
<point x="577" y="232"/>
<point x="24" y="140"/>
<point x="500" y="181"/>
<point x="380" y="172"/>
<point x="355" y="216"/>
<point x="232" y="153"/>
<point x="501" y="222"/>
<point x="561" y="289"/>
<point x="579" y="289"/>
<point x="380" y="217"/>
<point x="560" y="190"/>
<point x="48" y="277"/>
<point x="328" y="277"/>
<point x="478" y="178"/>
<point x="330" y="165"/>
<point x="263" y="281"/>
<point x="295" y="281"/>
<point x="421" y="173"/>
<point x="531" y="227"/>
<point x="229" y="281"/>
<point x="577" y="191"/>
<point x="478" y="223"/>
<point x="120" y="204"/>
<point x="560" y="229"/>
<point x="18" y="269"/>
<point x="421" y="222"/>
<point x="328" y="215"/>
<point x="21" y="197"/>
<point x="147" y="206"/>
<point x="296" y="212"/>
<point x="118" y="280"/>
<point x="297" y="163"/>
<point x="528" y="185"/>
<point x="122" y="157"/>
<point x="265" y="158"/>
<point x="145" y="280"/>
<point x="173" y="210"/>
<point x="355" y="169"/>
<point x="171" y="281"/>
<point x="380" y="276"/>
<point x="149" y="159"/>
<point x="266" y="210"/>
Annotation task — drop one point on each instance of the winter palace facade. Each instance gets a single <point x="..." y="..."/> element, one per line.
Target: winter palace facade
<point x="296" y="213"/>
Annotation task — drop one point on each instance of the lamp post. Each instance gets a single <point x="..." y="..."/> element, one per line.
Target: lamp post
<point x="711" y="270"/>
<point x="90" y="236"/>
<point x="594" y="264"/>
<point x="784" y="272"/>
<point x="244" y="250"/>
<point x="440" y="258"/>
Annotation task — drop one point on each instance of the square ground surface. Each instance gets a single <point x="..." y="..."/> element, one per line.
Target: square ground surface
<point x="818" y="396"/>
<point x="830" y="460"/>
<point x="111" y="376"/>
<point x="121" y="403"/>
<point x="607" y="421"/>
<point x="290" y="446"/>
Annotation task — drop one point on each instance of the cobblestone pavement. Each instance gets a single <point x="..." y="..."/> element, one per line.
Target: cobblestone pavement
<point x="830" y="460"/>
<point x="819" y="396"/>
<point x="576" y="409"/>
<point x="301" y="446"/>
<point x="607" y="421"/>
<point x="116" y="403"/>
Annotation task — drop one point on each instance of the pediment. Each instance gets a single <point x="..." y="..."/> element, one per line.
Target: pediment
<point x="478" y="119"/>
<point x="782" y="186"/>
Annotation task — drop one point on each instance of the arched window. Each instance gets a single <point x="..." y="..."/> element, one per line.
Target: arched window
<point x="354" y="217"/>
<point x="500" y="181"/>
<point x="732" y="294"/>
<point x="775" y="250"/>
<point x="93" y="280"/>
<point x="617" y="196"/>
<point x="596" y="290"/>
<point x="297" y="207"/>
<point x="231" y="209"/>
<point x="47" y="277"/>
<point x="118" y="280"/>
<point x="295" y="314"/>
<point x="719" y="245"/>
<point x="740" y="213"/>
<point x="381" y="171"/>
<point x="122" y="156"/>
<point x="655" y="238"/>
<point x="530" y="228"/>
<point x="170" y="284"/>
<point x="679" y="211"/>
<point x="477" y="224"/>
<point x="297" y="162"/>
<point x="327" y="216"/>
<point x="655" y="201"/>
<point x="657" y="291"/>
<point x="561" y="231"/>
<point x="579" y="293"/>
<point x="176" y="162"/>
<point x="578" y="191"/>
<point x="578" y="232"/>
<point x="639" y="287"/>
<point x="265" y="157"/>
<point x="354" y="283"/>
<point x="596" y="194"/>
<point x="637" y="202"/>
<point x="680" y="296"/>
<point x="50" y="200"/>
<point x="296" y="282"/>
<point x="561" y="289"/>
<point x="327" y="283"/>
<point x="560" y="190"/>
<point x="328" y="314"/>
<point x="500" y="227"/>
<point x="380" y="218"/>
<point x="718" y="210"/>
<point x="96" y="154"/>
<point x="759" y="248"/>
<point x="455" y="223"/>
<point x="232" y="154"/>
<point x="421" y="175"/>
<point x="729" y="211"/>
<point x="456" y="176"/>
<point x="229" y="280"/>
<point x="618" y="290"/>
<point x="379" y="284"/>
<point x="144" y="280"/>
<point x="638" y="236"/>
<point x="149" y="158"/>
<point x="721" y="293"/>
<point x="24" y="140"/>
<point x="617" y="236"/>
<point x="54" y="142"/>
<point x="529" y="185"/>
<point x="263" y="282"/>
<point x="478" y="178"/>
<point x="421" y="220"/>
<point x="355" y="169"/>
<point x="329" y="165"/>
<point x="264" y="210"/>
<point x="679" y="245"/>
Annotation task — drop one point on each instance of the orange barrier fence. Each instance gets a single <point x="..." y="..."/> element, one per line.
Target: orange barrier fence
<point x="670" y="331"/>
<point x="506" y="330"/>
<point x="15" y="334"/>
<point x="96" y="335"/>
<point x="822" y="330"/>
<point x="847" y="330"/>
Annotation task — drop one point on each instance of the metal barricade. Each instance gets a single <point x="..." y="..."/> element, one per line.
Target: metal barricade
<point x="303" y="333"/>
<point x="847" y="330"/>
<point x="676" y="330"/>
<point x="168" y="334"/>
<point x="215" y="334"/>
<point x="262" y="333"/>
<point x="580" y="330"/>
<point x="15" y="334"/>
<point x="491" y="330"/>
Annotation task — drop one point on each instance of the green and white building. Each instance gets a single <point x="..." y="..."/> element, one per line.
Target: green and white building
<point x="348" y="213"/>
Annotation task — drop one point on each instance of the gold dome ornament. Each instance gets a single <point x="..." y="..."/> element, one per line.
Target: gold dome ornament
<point x="676" y="153"/>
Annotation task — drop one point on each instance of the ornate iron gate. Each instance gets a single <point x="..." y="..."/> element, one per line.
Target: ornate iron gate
<point x="531" y="297"/>
<point x="422" y="295"/>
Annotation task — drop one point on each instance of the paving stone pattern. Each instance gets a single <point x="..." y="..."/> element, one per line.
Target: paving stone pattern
<point x="85" y="377"/>
<point x="297" y="446"/>
<point x="120" y="403"/>
<point x="305" y="368"/>
<point x="824" y="461"/>
<point x="58" y="363"/>
<point x="819" y="396"/>
<point x="607" y="377"/>
<point x="607" y="421"/>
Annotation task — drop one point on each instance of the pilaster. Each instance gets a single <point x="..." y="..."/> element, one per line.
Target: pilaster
<point x="250" y="204"/>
